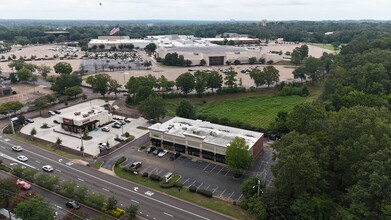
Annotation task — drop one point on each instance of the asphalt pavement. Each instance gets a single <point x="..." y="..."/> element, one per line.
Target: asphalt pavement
<point x="152" y="204"/>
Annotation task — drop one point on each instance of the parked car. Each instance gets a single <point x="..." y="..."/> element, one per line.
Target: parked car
<point x="119" y="139"/>
<point x="135" y="165"/>
<point x="17" y="148"/>
<point x="56" y="122"/>
<point x="30" y="120"/>
<point x="175" y="155"/>
<point x="52" y="113"/>
<point x="106" y="129"/>
<point x="22" y="158"/>
<point x="121" y="122"/>
<point x="47" y="168"/>
<point x="23" y="184"/>
<point x="57" y="112"/>
<point x="103" y="146"/>
<point x="157" y="151"/>
<point x="73" y="205"/>
<point x="127" y="120"/>
<point x="116" y="125"/>
<point x="162" y="153"/>
<point x="150" y="149"/>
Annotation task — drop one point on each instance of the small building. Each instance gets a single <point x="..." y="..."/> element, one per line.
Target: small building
<point x="90" y="118"/>
<point x="201" y="138"/>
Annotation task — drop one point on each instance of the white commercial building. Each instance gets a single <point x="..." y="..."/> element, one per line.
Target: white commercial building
<point x="202" y="139"/>
<point x="90" y="118"/>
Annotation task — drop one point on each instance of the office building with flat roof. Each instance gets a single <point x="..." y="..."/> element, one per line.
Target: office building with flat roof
<point x="201" y="138"/>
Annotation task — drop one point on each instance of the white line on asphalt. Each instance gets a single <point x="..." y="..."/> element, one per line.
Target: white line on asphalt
<point x="134" y="201"/>
<point x="220" y="170"/>
<point x="207" y="187"/>
<point x="168" y="214"/>
<point x="186" y="181"/>
<point x="231" y="194"/>
<point x="207" y="166"/>
<point x="226" y="173"/>
<point x="37" y="161"/>
<point x="200" y="185"/>
<point x="192" y="183"/>
<point x="113" y="184"/>
<point x="213" y="168"/>
<point x="215" y="190"/>
<point x="12" y="159"/>
<point x="222" y="193"/>
<point x="106" y="190"/>
<point x="153" y="170"/>
<point x="80" y="179"/>
<point x="239" y="197"/>
<point x="58" y="170"/>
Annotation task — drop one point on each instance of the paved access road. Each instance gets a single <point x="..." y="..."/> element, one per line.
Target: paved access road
<point x="58" y="202"/>
<point x="152" y="204"/>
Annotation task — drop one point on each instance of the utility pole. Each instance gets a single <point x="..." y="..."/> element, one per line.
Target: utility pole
<point x="12" y="123"/>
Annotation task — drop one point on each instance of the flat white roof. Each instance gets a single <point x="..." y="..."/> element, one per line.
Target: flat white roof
<point x="210" y="133"/>
<point x="84" y="111"/>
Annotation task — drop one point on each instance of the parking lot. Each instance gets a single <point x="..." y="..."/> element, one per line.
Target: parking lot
<point x="202" y="174"/>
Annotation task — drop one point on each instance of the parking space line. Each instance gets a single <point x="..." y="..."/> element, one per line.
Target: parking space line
<point x="207" y="187"/>
<point x="207" y="166"/>
<point x="200" y="185"/>
<point x="226" y="173"/>
<point x="186" y="181"/>
<point x="231" y="195"/>
<point x="153" y="170"/>
<point x="215" y="190"/>
<point x="221" y="195"/>
<point x="158" y="172"/>
<point x="220" y="170"/>
<point x="144" y="170"/>
<point x="192" y="183"/>
<point x="213" y="168"/>
<point x="239" y="197"/>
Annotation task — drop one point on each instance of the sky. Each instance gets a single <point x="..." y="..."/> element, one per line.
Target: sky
<point x="219" y="10"/>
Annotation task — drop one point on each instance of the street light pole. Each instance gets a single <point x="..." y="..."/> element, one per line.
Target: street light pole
<point x="259" y="186"/>
<point x="12" y="123"/>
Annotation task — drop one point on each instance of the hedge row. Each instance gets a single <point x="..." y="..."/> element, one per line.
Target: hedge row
<point x="205" y="192"/>
<point x="117" y="212"/>
<point x="155" y="177"/>
<point x="120" y="160"/>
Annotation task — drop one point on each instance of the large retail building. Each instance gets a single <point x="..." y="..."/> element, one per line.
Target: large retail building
<point x="202" y="139"/>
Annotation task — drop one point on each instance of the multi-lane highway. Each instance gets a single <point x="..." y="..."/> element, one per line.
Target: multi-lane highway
<point x="152" y="204"/>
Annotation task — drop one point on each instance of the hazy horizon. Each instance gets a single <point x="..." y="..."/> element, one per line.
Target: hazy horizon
<point x="201" y="10"/>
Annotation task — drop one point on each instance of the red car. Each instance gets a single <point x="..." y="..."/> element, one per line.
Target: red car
<point x="23" y="184"/>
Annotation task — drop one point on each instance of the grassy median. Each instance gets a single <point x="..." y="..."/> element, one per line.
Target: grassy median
<point x="214" y="204"/>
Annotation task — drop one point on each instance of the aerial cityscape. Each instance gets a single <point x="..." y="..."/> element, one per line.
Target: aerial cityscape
<point x="195" y="110"/>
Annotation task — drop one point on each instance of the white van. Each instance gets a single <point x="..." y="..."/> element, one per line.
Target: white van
<point x="168" y="176"/>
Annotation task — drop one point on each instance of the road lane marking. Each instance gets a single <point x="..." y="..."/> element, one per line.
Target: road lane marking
<point x="58" y="170"/>
<point x="192" y="183"/>
<point x="200" y="185"/>
<point x="239" y="197"/>
<point x="80" y="179"/>
<point x="136" y="189"/>
<point x="213" y="168"/>
<point x="7" y="139"/>
<point x="148" y="193"/>
<point x="168" y="214"/>
<point x="207" y="187"/>
<point x="15" y="160"/>
<point x="106" y="190"/>
<point x="113" y="184"/>
<point x="37" y="161"/>
<point x="134" y="201"/>
<point x="186" y="181"/>
<point x="207" y="166"/>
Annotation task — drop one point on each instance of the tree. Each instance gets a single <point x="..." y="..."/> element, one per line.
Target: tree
<point x="202" y="62"/>
<point x="312" y="68"/>
<point x="130" y="212"/>
<point x="252" y="60"/>
<point x="151" y="47"/>
<point x="58" y="141"/>
<point x="73" y="91"/>
<point x="303" y="50"/>
<point x="75" y="214"/>
<point x="101" y="46"/>
<point x="153" y="108"/>
<point x="24" y="74"/>
<point x="42" y="103"/>
<point x="111" y="203"/>
<point x="295" y="57"/>
<point x="65" y="81"/>
<point x="162" y="82"/>
<point x="8" y="189"/>
<point x="143" y="93"/>
<point x="44" y="70"/>
<point x="237" y="155"/>
<point x="133" y="85"/>
<point x="10" y="107"/>
<point x="34" y="208"/>
<point x="33" y="132"/>
<point x="215" y="80"/>
<point x="99" y="83"/>
<point x="186" y="110"/>
<point x="300" y="72"/>
<point x="230" y="78"/>
<point x="147" y="64"/>
<point x="201" y="81"/>
<point x="258" y="78"/>
<point x="185" y="82"/>
<point x="63" y="68"/>
<point x="236" y="62"/>
<point x="114" y="86"/>
<point x="270" y="74"/>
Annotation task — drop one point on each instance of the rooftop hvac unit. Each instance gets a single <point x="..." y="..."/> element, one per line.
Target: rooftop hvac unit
<point x="85" y="115"/>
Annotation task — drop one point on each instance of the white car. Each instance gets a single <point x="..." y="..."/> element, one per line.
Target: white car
<point x="22" y="158"/>
<point x="106" y="129"/>
<point x="47" y="168"/>
<point x="52" y="113"/>
<point x="17" y="148"/>
<point x="161" y="154"/>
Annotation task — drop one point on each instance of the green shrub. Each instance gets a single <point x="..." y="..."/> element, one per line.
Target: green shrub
<point x="193" y="189"/>
<point x="5" y="168"/>
<point x="166" y="185"/>
<point x="120" y="160"/>
<point x="127" y="134"/>
<point x="205" y="192"/>
<point x="155" y="177"/>
<point x="7" y="130"/>
<point x="145" y="174"/>
<point x="116" y="212"/>
<point x="178" y="184"/>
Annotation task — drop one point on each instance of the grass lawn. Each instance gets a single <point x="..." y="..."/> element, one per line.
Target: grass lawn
<point x="325" y="46"/>
<point x="211" y="203"/>
<point x="96" y="165"/>
<point x="142" y="128"/>
<point x="255" y="108"/>
<point x="47" y="147"/>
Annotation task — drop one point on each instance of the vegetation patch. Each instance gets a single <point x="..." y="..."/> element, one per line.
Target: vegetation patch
<point x="142" y="128"/>
<point x="96" y="165"/>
